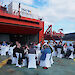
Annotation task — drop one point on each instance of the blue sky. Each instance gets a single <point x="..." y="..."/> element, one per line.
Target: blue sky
<point x="59" y="13"/>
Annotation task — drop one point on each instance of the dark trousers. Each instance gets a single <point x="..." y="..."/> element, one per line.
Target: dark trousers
<point x="68" y="53"/>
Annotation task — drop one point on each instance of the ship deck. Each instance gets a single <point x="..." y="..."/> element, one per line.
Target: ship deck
<point x="60" y="67"/>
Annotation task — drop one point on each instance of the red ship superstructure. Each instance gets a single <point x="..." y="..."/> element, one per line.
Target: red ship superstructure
<point x="15" y="26"/>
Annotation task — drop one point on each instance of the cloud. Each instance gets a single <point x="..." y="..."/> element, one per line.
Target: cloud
<point x="4" y="2"/>
<point x="26" y="1"/>
<point x="30" y="2"/>
<point x="54" y="12"/>
<point x="69" y="27"/>
<point x="58" y="10"/>
<point x="46" y="25"/>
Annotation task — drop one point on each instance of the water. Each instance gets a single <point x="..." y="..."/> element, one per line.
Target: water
<point x="68" y="42"/>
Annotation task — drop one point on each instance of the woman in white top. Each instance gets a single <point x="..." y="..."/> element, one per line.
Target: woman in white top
<point x="65" y="47"/>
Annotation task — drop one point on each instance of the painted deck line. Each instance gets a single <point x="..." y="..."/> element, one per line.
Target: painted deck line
<point x="3" y="62"/>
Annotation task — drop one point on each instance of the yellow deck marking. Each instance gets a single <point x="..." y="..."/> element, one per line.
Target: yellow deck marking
<point x="3" y="62"/>
<point x="74" y="59"/>
<point x="72" y="63"/>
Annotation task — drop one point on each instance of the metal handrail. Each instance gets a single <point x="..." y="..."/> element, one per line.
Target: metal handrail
<point x="24" y="14"/>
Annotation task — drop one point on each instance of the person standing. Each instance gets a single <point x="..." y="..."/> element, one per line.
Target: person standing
<point x="70" y="49"/>
<point x="31" y="49"/>
<point x="18" y="50"/>
<point x="74" y="48"/>
<point x="4" y="43"/>
<point x="44" y="52"/>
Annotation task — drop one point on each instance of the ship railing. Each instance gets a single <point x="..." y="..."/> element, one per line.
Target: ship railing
<point x="23" y="14"/>
<point x="29" y="15"/>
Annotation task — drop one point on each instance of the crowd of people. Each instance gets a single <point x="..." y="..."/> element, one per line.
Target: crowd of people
<point x="64" y="50"/>
<point x="55" y="49"/>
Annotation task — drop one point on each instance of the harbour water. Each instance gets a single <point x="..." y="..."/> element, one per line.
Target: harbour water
<point x="68" y="42"/>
